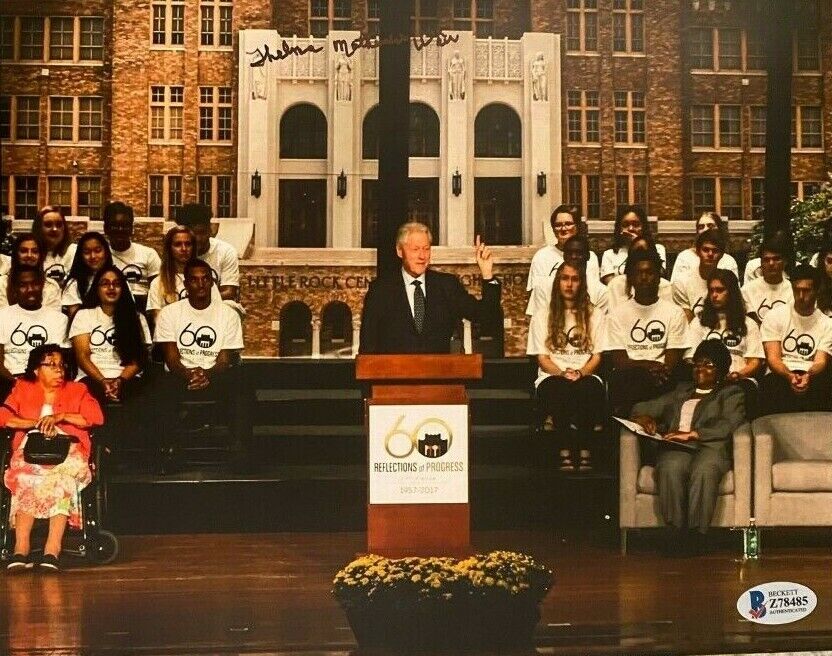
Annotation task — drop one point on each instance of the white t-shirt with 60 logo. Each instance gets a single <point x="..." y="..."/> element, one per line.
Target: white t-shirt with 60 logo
<point x="647" y="331"/>
<point x="800" y="337"/>
<point x="100" y="327"/>
<point x="199" y="335"/>
<point x="22" y="330"/>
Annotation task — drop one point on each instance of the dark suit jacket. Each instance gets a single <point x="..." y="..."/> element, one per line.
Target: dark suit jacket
<point x="716" y="417"/>
<point x="387" y="324"/>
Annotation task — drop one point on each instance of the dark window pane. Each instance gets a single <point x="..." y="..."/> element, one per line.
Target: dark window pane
<point x="336" y="329"/>
<point x="497" y="132"/>
<point x="156" y="201"/>
<point x="295" y="330"/>
<point x="422" y="206"/>
<point x="303" y="133"/>
<point x="5" y="117"/>
<point x="424" y="131"/>
<point x="498" y="211"/>
<point x="302" y="220"/>
<point x="369" y="135"/>
<point x="25" y="196"/>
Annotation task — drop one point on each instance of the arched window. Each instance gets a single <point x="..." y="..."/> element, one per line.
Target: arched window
<point x="497" y="132"/>
<point x="369" y="135"/>
<point x="336" y="330"/>
<point x="303" y="133"/>
<point x="295" y="330"/>
<point x="424" y="132"/>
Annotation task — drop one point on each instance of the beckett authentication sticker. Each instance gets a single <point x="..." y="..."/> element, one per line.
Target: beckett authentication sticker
<point x="418" y="454"/>
<point x="779" y="602"/>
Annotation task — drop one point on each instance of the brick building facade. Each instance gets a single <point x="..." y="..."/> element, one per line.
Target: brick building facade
<point x="662" y="103"/>
<point x="136" y="100"/>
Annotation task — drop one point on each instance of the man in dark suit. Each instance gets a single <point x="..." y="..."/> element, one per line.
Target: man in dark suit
<point x="416" y="309"/>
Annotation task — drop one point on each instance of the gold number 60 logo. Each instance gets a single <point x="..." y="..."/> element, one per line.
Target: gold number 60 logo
<point x="412" y="437"/>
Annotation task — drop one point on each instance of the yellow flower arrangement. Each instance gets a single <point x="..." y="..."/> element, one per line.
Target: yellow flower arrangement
<point x="373" y="578"/>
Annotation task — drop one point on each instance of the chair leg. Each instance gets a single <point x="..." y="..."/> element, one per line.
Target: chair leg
<point x="623" y="541"/>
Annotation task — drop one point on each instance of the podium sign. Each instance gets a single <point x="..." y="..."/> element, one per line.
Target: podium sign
<point x="417" y="447"/>
<point x="418" y="453"/>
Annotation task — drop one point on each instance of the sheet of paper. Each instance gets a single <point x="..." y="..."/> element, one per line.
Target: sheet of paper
<point x="638" y="430"/>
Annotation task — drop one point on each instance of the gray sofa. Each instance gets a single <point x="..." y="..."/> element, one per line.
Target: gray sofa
<point x="793" y="469"/>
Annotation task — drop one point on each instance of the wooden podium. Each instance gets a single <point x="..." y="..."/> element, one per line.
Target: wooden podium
<point x="424" y="528"/>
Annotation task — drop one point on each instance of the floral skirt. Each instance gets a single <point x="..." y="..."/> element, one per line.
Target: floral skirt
<point x="44" y="491"/>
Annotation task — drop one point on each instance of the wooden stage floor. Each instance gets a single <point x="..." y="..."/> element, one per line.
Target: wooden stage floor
<point x="269" y="593"/>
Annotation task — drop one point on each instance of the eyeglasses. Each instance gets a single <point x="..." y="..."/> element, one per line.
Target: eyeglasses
<point x="564" y="226"/>
<point x="112" y="284"/>
<point x="52" y="364"/>
<point x="704" y="364"/>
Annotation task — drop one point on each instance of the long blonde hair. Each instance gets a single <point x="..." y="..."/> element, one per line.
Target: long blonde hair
<point x="556" y="339"/>
<point x="167" y="272"/>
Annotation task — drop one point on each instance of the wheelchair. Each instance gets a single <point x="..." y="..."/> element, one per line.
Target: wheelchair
<point x="90" y="542"/>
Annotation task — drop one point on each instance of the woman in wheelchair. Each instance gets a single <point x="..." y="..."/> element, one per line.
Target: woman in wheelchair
<point x="703" y="414"/>
<point x="44" y="400"/>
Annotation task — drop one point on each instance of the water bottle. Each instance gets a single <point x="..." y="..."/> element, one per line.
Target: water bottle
<point x="751" y="541"/>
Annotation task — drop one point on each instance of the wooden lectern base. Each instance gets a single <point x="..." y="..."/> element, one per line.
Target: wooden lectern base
<point x="398" y="530"/>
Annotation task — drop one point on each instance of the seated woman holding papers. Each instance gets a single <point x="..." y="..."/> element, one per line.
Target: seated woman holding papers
<point x="703" y="413"/>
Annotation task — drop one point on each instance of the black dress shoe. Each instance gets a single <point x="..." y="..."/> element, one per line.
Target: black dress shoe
<point x="18" y="563"/>
<point x="49" y="563"/>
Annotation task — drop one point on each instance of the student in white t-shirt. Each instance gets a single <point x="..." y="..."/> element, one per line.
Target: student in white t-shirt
<point x="51" y="230"/>
<point x="220" y="255"/>
<point x="200" y="340"/>
<point x="824" y="267"/>
<point x="690" y="290"/>
<point x="5" y="260"/>
<point x="25" y="325"/>
<point x="724" y="318"/>
<point x="646" y="337"/>
<point x="139" y="263"/>
<point x="798" y="343"/>
<point x="566" y="222"/>
<point x="110" y="339"/>
<point x="27" y="251"/>
<point x="687" y="259"/>
<point x="575" y="252"/>
<point x="619" y="291"/>
<point x="772" y="288"/>
<point x="567" y="337"/>
<point x="630" y="223"/>
<point x="754" y="266"/>
<point x="93" y="254"/>
<point x="169" y="286"/>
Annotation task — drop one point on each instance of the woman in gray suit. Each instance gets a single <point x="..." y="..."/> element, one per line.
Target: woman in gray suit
<point x="705" y="413"/>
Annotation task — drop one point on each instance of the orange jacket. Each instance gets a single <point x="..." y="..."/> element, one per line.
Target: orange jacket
<point x="26" y="400"/>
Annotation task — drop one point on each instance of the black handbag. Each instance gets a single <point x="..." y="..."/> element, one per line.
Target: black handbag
<point x="42" y="450"/>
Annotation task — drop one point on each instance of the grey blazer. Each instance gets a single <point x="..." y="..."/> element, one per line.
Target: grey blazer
<point x="716" y="417"/>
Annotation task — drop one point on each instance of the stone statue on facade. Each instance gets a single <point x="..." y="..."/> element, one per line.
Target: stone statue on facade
<point x="456" y="75"/>
<point x="257" y="81"/>
<point x="540" y="80"/>
<point x="343" y="79"/>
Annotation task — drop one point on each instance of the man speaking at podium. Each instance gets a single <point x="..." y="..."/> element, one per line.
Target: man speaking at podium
<point x="416" y="310"/>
